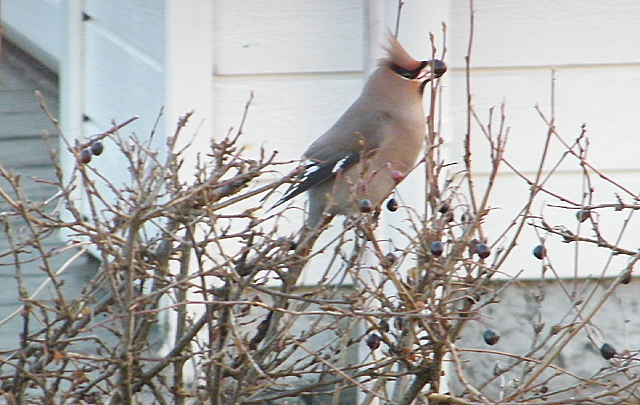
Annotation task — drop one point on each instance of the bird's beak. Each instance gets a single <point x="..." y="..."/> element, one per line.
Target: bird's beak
<point x="434" y="69"/>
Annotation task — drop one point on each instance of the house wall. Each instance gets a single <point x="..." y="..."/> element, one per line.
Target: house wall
<point x="589" y="48"/>
<point x="516" y="47"/>
<point x="305" y="62"/>
<point x="303" y="79"/>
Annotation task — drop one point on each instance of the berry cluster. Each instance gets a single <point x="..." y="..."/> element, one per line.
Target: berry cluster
<point x="95" y="149"/>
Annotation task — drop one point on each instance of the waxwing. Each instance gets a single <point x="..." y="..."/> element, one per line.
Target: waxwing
<point x="373" y="145"/>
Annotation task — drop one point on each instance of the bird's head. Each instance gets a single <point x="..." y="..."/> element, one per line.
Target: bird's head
<point x="400" y="62"/>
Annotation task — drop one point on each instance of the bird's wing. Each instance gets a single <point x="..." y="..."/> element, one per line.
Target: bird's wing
<point x="358" y="131"/>
<point x="316" y="173"/>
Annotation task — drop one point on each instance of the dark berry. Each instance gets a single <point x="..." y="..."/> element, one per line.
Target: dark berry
<point x="540" y="252"/>
<point x="97" y="148"/>
<point x="391" y="258"/>
<point x="582" y="215"/>
<point x="567" y="235"/>
<point x="383" y="325"/>
<point x="85" y="156"/>
<point x="436" y="248"/>
<point x="448" y="216"/>
<point x="538" y="327"/>
<point x="607" y="351"/>
<point x="287" y="243"/>
<point x="626" y="278"/>
<point x="373" y="341"/>
<point x="483" y="250"/>
<point x="392" y="205"/>
<point x="444" y="208"/>
<point x="365" y="205"/>
<point x="490" y="337"/>
<point x="466" y="217"/>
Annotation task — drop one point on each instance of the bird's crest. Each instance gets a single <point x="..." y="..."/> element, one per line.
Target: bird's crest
<point x="396" y="55"/>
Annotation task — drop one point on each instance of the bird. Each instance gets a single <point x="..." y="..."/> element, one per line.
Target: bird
<point x="361" y="158"/>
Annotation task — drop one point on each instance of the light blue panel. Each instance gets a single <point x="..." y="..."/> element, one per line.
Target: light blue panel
<point x="120" y="82"/>
<point x="36" y="26"/>
<point x="140" y="22"/>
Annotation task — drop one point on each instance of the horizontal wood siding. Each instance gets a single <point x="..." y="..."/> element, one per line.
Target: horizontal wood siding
<point x="258" y="37"/>
<point x="592" y="46"/>
<point x="24" y="152"/>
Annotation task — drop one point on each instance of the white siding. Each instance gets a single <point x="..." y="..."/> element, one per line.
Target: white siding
<point x="593" y="48"/>
<point x="305" y="63"/>
<point x="258" y="37"/>
<point x="287" y="112"/>
<point x="121" y="80"/>
<point x="546" y="32"/>
<point x="302" y="60"/>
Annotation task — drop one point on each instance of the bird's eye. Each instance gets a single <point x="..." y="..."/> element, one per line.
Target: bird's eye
<point x="402" y="72"/>
<point x="409" y="74"/>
